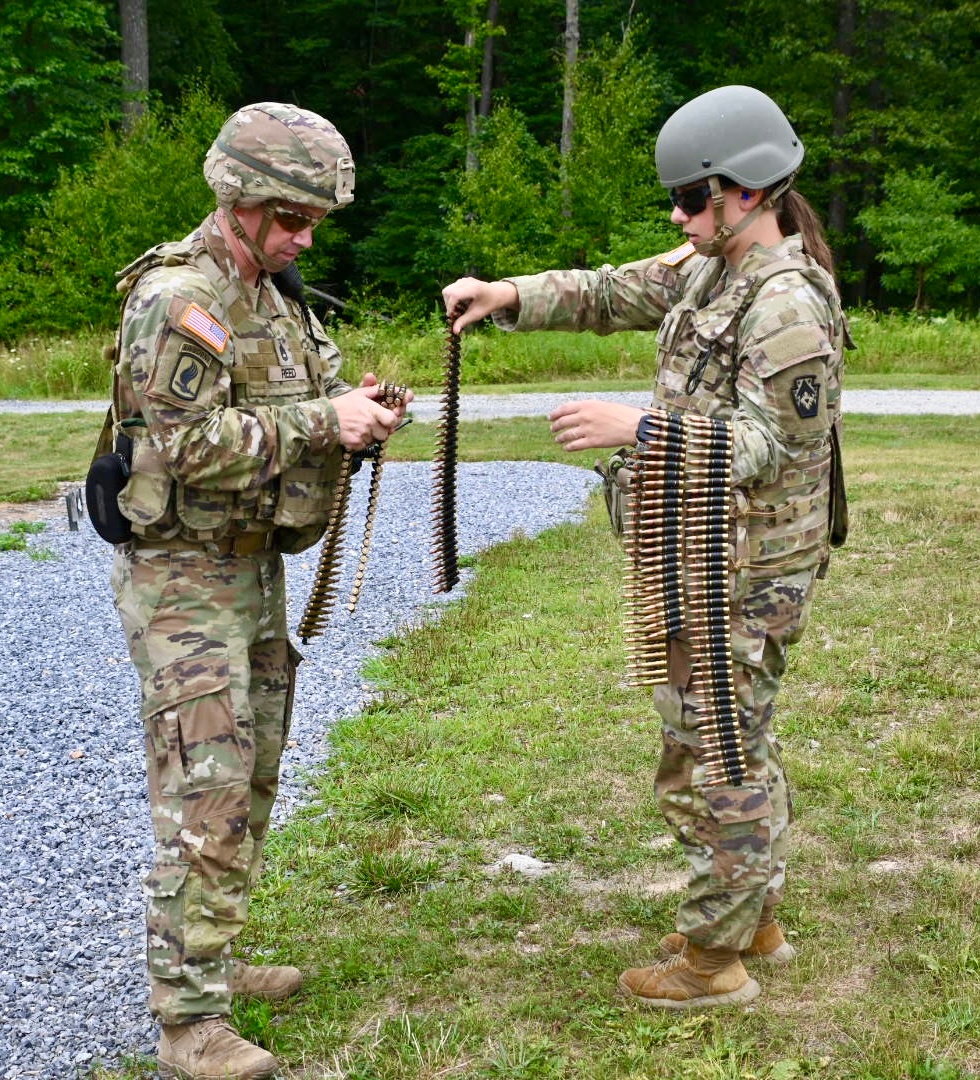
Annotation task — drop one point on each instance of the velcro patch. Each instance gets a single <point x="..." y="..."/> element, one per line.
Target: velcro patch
<point x="806" y="396"/>
<point x="677" y="256"/>
<point x="198" y="322"/>
<point x="192" y="362"/>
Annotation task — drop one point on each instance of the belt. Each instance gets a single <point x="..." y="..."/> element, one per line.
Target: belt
<point x="240" y="544"/>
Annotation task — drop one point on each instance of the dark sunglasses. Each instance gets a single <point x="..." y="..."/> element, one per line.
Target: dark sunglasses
<point x="691" y="200"/>
<point x="293" y="221"/>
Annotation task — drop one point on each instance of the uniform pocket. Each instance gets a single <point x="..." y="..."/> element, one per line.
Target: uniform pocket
<point x="163" y="888"/>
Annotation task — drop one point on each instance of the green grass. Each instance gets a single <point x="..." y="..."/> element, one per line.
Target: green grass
<point x="893" y="350"/>
<point x="507" y="727"/>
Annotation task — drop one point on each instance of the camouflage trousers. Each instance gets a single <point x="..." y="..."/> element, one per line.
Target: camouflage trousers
<point x="207" y="635"/>
<point x="735" y="838"/>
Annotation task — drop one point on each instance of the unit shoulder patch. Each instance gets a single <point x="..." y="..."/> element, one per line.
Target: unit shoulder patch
<point x="192" y="362"/>
<point x="677" y="256"/>
<point x="195" y="320"/>
<point x="806" y="396"/>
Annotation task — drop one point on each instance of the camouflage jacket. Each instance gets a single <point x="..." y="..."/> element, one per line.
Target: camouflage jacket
<point x="760" y="346"/>
<point x="231" y="384"/>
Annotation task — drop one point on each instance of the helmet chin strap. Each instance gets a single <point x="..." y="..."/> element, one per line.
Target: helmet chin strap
<point x="723" y="233"/>
<point x="255" y="247"/>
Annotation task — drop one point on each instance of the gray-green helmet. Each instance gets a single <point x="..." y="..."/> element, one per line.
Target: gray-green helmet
<point x="736" y="132"/>
<point x="271" y="151"/>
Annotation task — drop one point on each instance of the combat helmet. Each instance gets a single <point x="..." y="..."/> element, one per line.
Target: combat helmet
<point x="735" y="132"/>
<point x="271" y="152"/>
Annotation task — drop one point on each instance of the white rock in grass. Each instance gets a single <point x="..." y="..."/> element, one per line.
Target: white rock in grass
<point x="522" y="864"/>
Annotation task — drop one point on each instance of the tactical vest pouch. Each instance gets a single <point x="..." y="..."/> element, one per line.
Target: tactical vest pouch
<point x="838" y="493"/>
<point x="617" y="479"/>
<point x="107" y="476"/>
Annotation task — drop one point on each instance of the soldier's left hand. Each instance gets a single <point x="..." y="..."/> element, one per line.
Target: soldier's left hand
<point x="591" y="425"/>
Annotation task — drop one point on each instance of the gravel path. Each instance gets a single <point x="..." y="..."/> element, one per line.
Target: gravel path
<point x="74" y="824"/>
<point x="493" y="406"/>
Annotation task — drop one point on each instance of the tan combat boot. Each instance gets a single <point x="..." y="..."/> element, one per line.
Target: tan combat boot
<point x="270" y="983"/>
<point x="768" y="944"/>
<point x="694" y="978"/>
<point x="210" y="1050"/>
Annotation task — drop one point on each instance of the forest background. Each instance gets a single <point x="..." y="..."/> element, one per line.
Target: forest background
<point x="490" y="136"/>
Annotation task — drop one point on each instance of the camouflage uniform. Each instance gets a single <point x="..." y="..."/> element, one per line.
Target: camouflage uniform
<point x="761" y="347"/>
<point x="235" y="453"/>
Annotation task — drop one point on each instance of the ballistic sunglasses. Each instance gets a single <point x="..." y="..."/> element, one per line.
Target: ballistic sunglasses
<point x="691" y="200"/>
<point x="293" y="221"/>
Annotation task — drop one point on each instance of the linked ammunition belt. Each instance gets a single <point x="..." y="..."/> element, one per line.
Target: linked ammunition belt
<point x="445" y="544"/>
<point x="323" y="594"/>
<point x="677" y="578"/>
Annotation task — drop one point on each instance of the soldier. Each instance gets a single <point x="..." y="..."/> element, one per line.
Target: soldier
<point x="227" y="385"/>
<point x="750" y="331"/>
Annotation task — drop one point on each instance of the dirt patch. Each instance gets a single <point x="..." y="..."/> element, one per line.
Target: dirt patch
<point x="39" y="510"/>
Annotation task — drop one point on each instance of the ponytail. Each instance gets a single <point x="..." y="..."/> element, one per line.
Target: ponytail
<point x="796" y="215"/>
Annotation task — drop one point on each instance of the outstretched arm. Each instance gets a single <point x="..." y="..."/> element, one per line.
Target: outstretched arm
<point x="478" y="299"/>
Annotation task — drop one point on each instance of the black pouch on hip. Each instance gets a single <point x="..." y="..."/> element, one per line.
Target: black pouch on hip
<point x="107" y="476"/>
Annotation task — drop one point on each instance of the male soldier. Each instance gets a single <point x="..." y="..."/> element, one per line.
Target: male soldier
<point x="750" y="334"/>
<point x="227" y="385"/>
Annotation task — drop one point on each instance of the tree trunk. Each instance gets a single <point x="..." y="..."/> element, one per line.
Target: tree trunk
<point x="568" y="102"/>
<point x="837" y="209"/>
<point x="486" y="73"/>
<point x="571" y="57"/>
<point x="135" y="58"/>
<point x="472" y="164"/>
<point x="475" y="113"/>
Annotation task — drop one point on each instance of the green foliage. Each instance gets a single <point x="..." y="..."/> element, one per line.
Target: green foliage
<point x="918" y="234"/>
<point x="405" y="250"/>
<point x="507" y="216"/>
<point x="14" y="538"/>
<point x="59" y="92"/>
<point x="612" y="181"/>
<point x="140" y="190"/>
<point x="190" y="47"/>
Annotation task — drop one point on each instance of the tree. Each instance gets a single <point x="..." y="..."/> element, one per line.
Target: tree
<point x="920" y="237"/>
<point x="611" y="177"/>
<point x="140" y="189"/>
<point x="506" y="218"/>
<point x="60" y="92"/>
<point x="135" y="59"/>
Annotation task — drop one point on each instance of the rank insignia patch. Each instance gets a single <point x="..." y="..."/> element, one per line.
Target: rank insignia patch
<point x="806" y="396"/>
<point x="677" y="256"/>
<point x="186" y="379"/>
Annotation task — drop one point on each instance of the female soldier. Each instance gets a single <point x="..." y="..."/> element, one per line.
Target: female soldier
<point x="751" y="334"/>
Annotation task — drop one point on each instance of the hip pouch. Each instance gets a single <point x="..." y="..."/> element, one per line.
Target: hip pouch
<point x="107" y="476"/>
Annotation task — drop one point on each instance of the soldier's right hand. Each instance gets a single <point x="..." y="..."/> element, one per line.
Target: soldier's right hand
<point x="362" y="420"/>
<point x="477" y="299"/>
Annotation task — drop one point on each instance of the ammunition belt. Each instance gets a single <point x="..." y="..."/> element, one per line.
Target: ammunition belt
<point x="445" y="544"/>
<point x="677" y="575"/>
<point x="323" y="594"/>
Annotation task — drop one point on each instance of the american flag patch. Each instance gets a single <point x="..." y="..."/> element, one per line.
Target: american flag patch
<point x="201" y="325"/>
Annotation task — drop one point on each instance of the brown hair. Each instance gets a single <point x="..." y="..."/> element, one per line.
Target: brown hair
<point x="796" y="215"/>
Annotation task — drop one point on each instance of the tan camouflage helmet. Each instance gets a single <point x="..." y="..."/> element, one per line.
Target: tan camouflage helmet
<point x="272" y="151"/>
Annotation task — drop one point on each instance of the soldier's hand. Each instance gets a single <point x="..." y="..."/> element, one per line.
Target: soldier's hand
<point x="591" y="425"/>
<point x="479" y="299"/>
<point x="362" y="420"/>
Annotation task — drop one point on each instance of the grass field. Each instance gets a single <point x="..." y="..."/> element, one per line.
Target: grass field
<point x="507" y="727"/>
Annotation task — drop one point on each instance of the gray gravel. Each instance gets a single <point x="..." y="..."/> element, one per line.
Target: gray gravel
<point x="74" y="824"/>
<point x="492" y="406"/>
